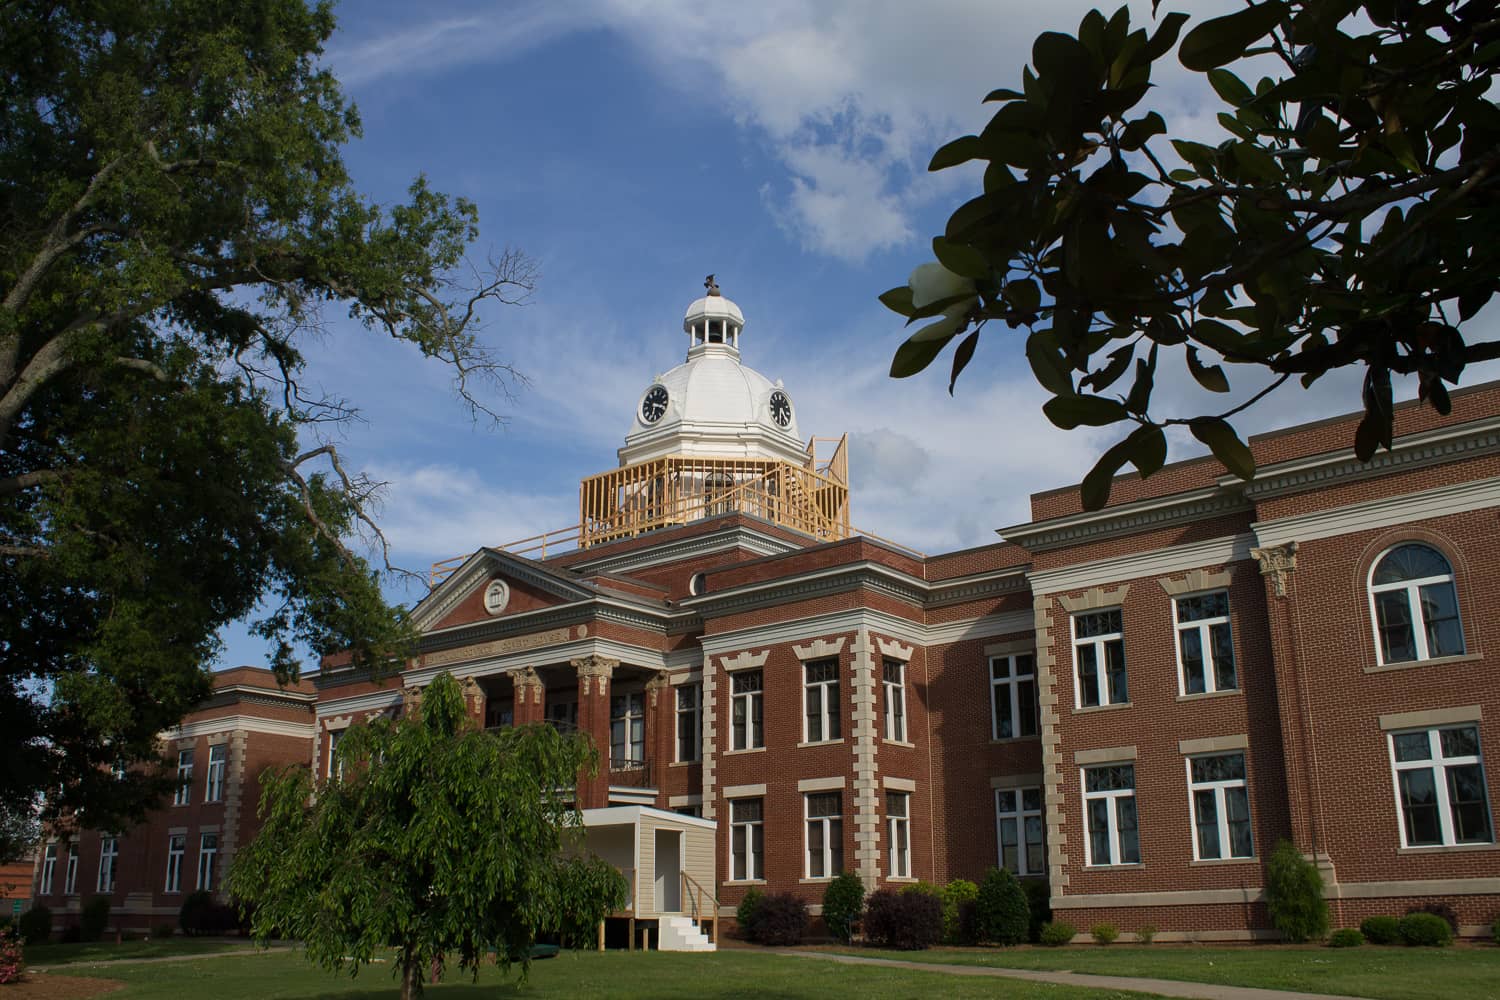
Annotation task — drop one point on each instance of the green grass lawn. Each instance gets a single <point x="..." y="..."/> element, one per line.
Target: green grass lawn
<point x="725" y="975"/>
<point x="1470" y="972"/>
<point x="105" y="951"/>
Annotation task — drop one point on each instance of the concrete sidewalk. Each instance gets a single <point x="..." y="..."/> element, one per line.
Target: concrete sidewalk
<point x="1161" y="987"/>
<point x="151" y="960"/>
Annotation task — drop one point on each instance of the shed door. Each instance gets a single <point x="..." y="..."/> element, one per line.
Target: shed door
<point x="669" y="871"/>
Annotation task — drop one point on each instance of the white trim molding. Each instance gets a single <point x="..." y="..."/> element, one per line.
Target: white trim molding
<point x="1155" y="563"/>
<point x="1386" y="512"/>
<point x="249" y="723"/>
<point x="820" y="784"/>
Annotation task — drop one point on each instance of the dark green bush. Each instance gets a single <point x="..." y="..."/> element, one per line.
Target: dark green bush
<point x="94" y="918"/>
<point x="1057" y="933"/>
<point x="163" y="931"/>
<point x="1001" y="913"/>
<point x="1039" y="902"/>
<point x="35" y="925"/>
<point x="843" y="902"/>
<point x="1294" y="895"/>
<point x="202" y="914"/>
<point x="955" y="895"/>
<point x="909" y="921"/>
<point x="1381" y="930"/>
<point x="1347" y="937"/>
<point x="1146" y="933"/>
<point x="1443" y="910"/>
<point x="1104" y="933"/>
<point x="744" y="914"/>
<point x="1425" y="930"/>
<point x="1495" y="930"/>
<point x="780" y="920"/>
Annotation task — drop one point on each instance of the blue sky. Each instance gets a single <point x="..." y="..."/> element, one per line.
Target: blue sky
<point x="630" y="147"/>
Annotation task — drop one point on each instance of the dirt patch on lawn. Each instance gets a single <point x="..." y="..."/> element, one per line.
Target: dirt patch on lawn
<point x="50" y="986"/>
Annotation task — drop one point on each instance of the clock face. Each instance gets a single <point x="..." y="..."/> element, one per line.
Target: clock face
<point x="781" y="409"/>
<point x="654" y="404"/>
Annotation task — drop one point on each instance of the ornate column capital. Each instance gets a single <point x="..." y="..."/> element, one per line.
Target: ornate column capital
<point x="411" y="702"/>
<point x="590" y="668"/>
<point x="528" y="683"/>
<point x="659" y="682"/>
<point x="1277" y="562"/>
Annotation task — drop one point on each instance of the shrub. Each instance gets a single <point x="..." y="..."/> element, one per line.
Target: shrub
<point x="1346" y="937"/>
<point x="746" y="912"/>
<point x="1002" y="914"/>
<point x="1146" y="933"/>
<point x="70" y="934"/>
<point x="35" y="924"/>
<point x="955" y="895"/>
<point x="1294" y="895"/>
<point x="843" y="902"/>
<point x="1039" y="902"/>
<point x="1425" y="930"/>
<point x="1443" y="910"/>
<point x="1104" y="933"/>
<point x="1057" y="933"/>
<point x="163" y="931"/>
<point x="780" y="919"/>
<point x="202" y="914"/>
<point x="1495" y="930"/>
<point x="909" y="921"/>
<point x="11" y="960"/>
<point x="94" y="918"/>
<point x="1381" y="930"/>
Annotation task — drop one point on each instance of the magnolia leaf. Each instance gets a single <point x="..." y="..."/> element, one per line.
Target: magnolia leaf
<point x="1023" y="294"/>
<point x="1145" y="378"/>
<point x="1230" y="87"/>
<point x="1094" y="492"/>
<point x="1068" y="412"/>
<point x="1166" y="35"/>
<point x="898" y="300"/>
<point x="1147" y="447"/>
<point x="962" y="260"/>
<point x="1047" y="363"/>
<point x="1224" y="39"/>
<point x="915" y="355"/>
<point x="962" y="357"/>
<point x="1119" y="361"/>
<point x="1211" y="377"/>
<point x="1002" y="94"/>
<point x="1225" y="444"/>
<point x="960" y="150"/>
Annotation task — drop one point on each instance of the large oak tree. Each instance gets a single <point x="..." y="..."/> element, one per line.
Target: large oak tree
<point x="1346" y="218"/>
<point x="174" y="215"/>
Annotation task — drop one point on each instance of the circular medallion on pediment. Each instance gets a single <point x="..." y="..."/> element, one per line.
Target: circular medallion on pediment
<point x="496" y="597"/>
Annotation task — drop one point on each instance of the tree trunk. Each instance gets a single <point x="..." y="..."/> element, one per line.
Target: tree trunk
<point x="411" y="978"/>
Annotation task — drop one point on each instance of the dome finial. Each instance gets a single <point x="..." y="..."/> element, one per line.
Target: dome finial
<point x="711" y="285"/>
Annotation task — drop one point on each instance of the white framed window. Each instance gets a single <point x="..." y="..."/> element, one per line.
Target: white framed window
<point x="894" y="688"/>
<point x="1099" y="658"/>
<point x="1220" y="802"/>
<point x="821" y="698"/>
<point x="746" y="723"/>
<point x="70" y="873"/>
<point x="1109" y="816"/>
<point x="176" y="847"/>
<point x="627" y="730"/>
<point x="1205" y="648"/>
<point x="1019" y="830"/>
<point x="213" y="789"/>
<point x="1013" y="704"/>
<point x="825" y="833"/>
<point x="747" y="840"/>
<point x="898" y="834"/>
<point x="208" y="853"/>
<point x="1414" y="605"/>
<point x="335" y="765"/>
<point x="689" y="722"/>
<point x="184" y="794"/>
<point x="1440" y="789"/>
<point x="49" y="866"/>
<point x="109" y="852"/>
<point x="693" y="810"/>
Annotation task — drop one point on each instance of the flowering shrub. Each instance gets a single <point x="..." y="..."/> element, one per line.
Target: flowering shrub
<point x="10" y="956"/>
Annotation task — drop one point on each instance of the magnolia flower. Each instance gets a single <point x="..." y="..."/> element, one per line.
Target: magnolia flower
<point x="933" y="282"/>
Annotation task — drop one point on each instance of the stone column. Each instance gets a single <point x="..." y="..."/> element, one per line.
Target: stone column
<point x="530" y="697"/>
<point x="594" y="675"/>
<point x="661" y="732"/>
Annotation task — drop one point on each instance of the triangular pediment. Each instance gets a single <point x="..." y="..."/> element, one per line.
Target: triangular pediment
<point x="492" y="584"/>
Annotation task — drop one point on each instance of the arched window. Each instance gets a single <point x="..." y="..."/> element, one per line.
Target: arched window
<point x="1415" y="605"/>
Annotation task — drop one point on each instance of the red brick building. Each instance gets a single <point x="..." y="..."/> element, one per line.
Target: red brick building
<point x="1136" y="703"/>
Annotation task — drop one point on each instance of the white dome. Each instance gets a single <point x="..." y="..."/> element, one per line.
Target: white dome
<point x="714" y="405"/>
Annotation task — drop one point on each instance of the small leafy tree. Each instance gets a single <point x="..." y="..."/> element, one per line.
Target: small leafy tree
<point x="1294" y="895"/>
<point x="1346" y="218"/>
<point x="956" y="895"/>
<point x="1003" y="915"/>
<point x="843" y="902"/>
<point x="94" y="918"/>
<point x="439" y="840"/>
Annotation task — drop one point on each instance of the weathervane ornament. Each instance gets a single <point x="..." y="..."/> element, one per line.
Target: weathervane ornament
<point x="711" y="285"/>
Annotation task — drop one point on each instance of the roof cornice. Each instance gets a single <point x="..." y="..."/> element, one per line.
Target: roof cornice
<point x="1129" y="518"/>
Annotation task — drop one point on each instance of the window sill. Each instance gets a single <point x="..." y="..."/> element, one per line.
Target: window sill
<point x="1200" y="695"/>
<point x="899" y="743"/>
<point x="1101" y="708"/>
<point x="746" y="881"/>
<point x="732" y="753"/>
<point x="1133" y="866"/>
<point x="689" y="763"/>
<point x="908" y="879"/>
<point x="1437" y="661"/>
<point x="1219" y="862"/>
<point x="1448" y="848"/>
<point x="820" y="743"/>
<point x="1002" y="740"/>
<point x="824" y="880"/>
